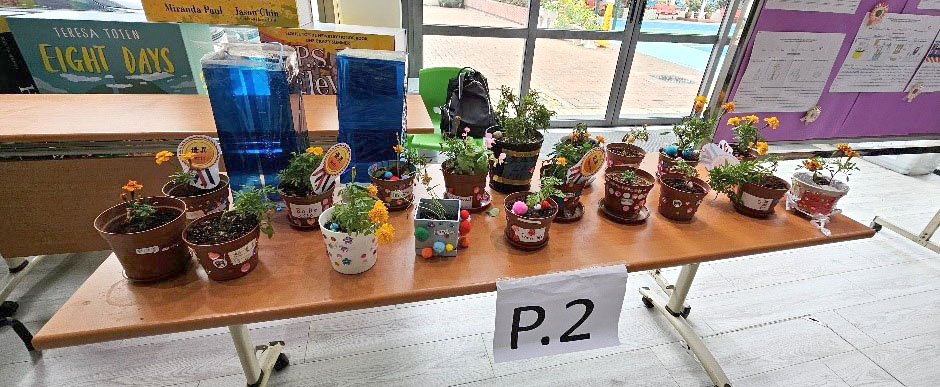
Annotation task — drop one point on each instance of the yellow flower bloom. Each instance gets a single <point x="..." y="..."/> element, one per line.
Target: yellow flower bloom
<point x="734" y="121"/>
<point x="631" y="139"/>
<point x="752" y="119"/>
<point x="600" y="139"/>
<point x="812" y="165"/>
<point x="772" y="122"/>
<point x="132" y="186"/>
<point x="398" y="148"/>
<point x="761" y="148"/>
<point x="698" y="106"/>
<point x="845" y="148"/>
<point x="385" y="233"/>
<point x="728" y="107"/>
<point x="426" y="179"/>
<point x="379" y="213"/>
<point x="315" y="150"/>
<point x="700" y="98"/>
<point x="372" y="190"/>
<point x="162" y="157"/>
<point x="561" y="161"/>
<point x="187" y="156"/>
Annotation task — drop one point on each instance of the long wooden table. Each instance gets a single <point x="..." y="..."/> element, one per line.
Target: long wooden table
<point x="112" y="117"/>
<point x="295" y="278"/>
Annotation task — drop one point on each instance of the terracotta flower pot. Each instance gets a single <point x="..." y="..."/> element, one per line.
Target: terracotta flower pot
<point x="523" y="232"/>
<point x="666" y="162"/>
<point x="570" y="208"/>
<point x="625" y="202"/>
<point x="620" y="153"/>
<point x="148" y="255"/>
<point x="348" y="254"/>
<point x="469" y="189"/>
<point x="303" y="211"/>
<point x="515" y="173"/>
<point x="757" y="201"/>
<point x="397" y="194"/>
<point x="813" y="199"/>
<point x="680" y="205"/>
<point x="447" y="232"/>
<point x="200" y="205"/>
<point x="227" y="260"/>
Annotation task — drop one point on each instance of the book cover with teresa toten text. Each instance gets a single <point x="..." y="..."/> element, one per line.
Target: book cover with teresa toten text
<point x="111" y="52"/>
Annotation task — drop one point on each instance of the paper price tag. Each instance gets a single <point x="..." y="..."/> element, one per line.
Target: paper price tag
<point x="206" y="154"/>
<point x="558" y="313"/>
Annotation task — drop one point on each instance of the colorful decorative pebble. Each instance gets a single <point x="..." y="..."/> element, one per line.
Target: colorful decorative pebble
<point x="393" y="178"/>
<point x="672" y="151"/>
<point x="687" y="154"/>
<point x="387" y="175"/>
<point x="546" y="204"/>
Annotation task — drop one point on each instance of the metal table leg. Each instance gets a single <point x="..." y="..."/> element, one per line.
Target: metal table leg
<point x="923" y="239"/>
<point x="257" y="368"/>
<point x="674" y="310"/>
<point x="19" y="268"/>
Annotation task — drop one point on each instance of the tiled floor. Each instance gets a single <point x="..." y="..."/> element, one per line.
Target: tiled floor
<point x="860" y="313"/>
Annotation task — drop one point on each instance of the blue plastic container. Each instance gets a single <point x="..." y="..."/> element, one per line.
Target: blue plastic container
<point x="254" y="90"/>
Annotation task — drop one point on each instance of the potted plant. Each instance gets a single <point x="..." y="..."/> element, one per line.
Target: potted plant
<point x="815" y="194"/>
<point x="626" y="152"/>
<point x="226" y="243"/>
<point x="145" y="234"/>
<point x="529" y="215"/>
<point x="199" y="202"/>
<point x="681" y="193"/>
<point x="465" y="167"/>
<point x="304" y="206"/>
<point x="691" y="133"/>
<point x="439" y="227"/>
<point x="353" y="227"/>
<point x="625" y="194"/>
<point x="750" y="185"/>
<point x="748" y="143"/>
<point x="566" y="153"/>
<point x="519" y="138"/>
<point x="395" y="179"/>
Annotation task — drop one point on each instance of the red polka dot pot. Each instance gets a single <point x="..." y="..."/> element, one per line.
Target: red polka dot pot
<point x="396" y="194"/>
<point x="228" y="260"/>
<point x="303" y="211"/>
<point x="623" y="199"/>
<point x="469" y="189"/>
<point x="677" y="204"/>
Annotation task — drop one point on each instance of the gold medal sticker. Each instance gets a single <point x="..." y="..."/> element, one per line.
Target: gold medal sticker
<point x="336" y="159"/>
<point x="592" y="162"/>
<point x="205" y="151"/>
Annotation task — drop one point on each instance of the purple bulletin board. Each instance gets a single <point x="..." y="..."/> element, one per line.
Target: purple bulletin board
<point x="844" y="115"/>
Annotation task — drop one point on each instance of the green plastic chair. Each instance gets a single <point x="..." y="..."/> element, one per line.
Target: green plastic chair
<point x="432" y="85"/>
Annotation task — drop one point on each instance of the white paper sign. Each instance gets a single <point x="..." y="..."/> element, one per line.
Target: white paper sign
<point x="835" y="6"/>
<point x="558" y="313"/>
<point x="928" y="75"/>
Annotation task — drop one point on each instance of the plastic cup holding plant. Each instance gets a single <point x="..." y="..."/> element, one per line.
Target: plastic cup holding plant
<point x="816" y="187"/>
<point x="353" y="227"/>
<point x="681" y="192"/>
<point x="625" y="192"/>
<point x="395" y="178"/>
<point x="627" y="152"/>
<point x="750" y="185"/>
<point x="693" y="131"/>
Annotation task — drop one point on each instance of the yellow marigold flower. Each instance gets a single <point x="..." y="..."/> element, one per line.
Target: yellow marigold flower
<point x="751" y="119"/>
<point x="772" y="122"/>
<point x="728" y="107"/>
<point x="844" y="148"/>
<point x="631" y="139"/>
<point x="398" y="148"/>
<point x="372" y="190"/>
<point x="561" y="161"/>
<point x="426" y="179"/>
<point x="761" y="148"/>
<point x="378" y="213"/>
<point x="162" y="157"/>
<point x="734" y="121"/>
<point x="315" y="150"/>
<point x="700" y="98"/>
<point x="132" y="186"/>
<point x="600" y="139"/>
<point x="698" y="106"/>
<point x="812" y="165"/>
<point x="385" y="233"/>
<point x="187" y="156"/>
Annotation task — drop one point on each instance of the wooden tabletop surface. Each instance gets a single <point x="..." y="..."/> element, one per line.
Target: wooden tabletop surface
<point x="100" y="117"/>
<point x="295" y="278"/>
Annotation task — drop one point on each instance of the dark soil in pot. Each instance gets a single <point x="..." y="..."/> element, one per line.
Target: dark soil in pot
<point x="624" y="154"/>
<point x="682" y="185"/>
<point x="515" y="173"/>
<point x="159" y="218"/>
<point x="212" y="231"/>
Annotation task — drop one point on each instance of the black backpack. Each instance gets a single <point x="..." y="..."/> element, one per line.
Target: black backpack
<point x="468" y="97"/>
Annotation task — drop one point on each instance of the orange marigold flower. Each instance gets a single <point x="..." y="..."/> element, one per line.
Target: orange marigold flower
<point x="812" y="165"/>
<point x="751" y="119"/>
<point x="761" y="148"/>
<point x="600" y="139"/>
<point x="700" y="98"/>
<point x="315" y="150"/>
<point x="132" y="186"/>
<point x="162" y="157"/>
<point x="426" y="179"/>
<point x="372" y="190"/>
<point x="728" y="107"/>
<point x="772" y="122"/>
<point x="378" y="213"/>
<point x="385" y="233"/>
<point x="734" y="121"/>
<point x="845" y="149"/>
<point x="698" y="106"/>
<point x="561" y="161"/>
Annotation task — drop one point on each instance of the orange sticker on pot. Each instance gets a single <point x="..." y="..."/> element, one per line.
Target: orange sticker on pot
<point x="592" y="162"/>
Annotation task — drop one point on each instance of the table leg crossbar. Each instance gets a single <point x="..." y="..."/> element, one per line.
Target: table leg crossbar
<point x="257" y="368"/>
<point x="675" y="310"/>
<point x="922" y="239"/>
<point x="19" y="268"/>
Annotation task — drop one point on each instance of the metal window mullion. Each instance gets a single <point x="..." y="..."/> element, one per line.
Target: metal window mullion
<point x="414" y="11"/>
<point x="474" y="32"/>
<point x="528" y="53"/>
<point x="749" y="12"/>
<point x="578" y="34"/>
<point x="631" y="32"/>
<point x="715" y="55"/>
<point x="677" y="38"/>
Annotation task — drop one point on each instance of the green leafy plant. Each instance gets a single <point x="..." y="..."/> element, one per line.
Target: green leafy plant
<point x="547" y="189"/>
<point x="179" y="177"/>
<point x="569" y="151"/>
<point x="139" y="214"/>
<point x="698" y="127"/>
<point x="520" y="119"/>
<point x="641" y="133"/>
<point x="840" y="163"/>
<point x="727" y="177"/>
<point x="296" y="176"/>
<point x="463" y="156"/>
<point x="572" y="13"/>
<point x="628" y="176"/>
<point x="251" y="205"/>
<point x="361" y="212"/>
<point x="684" y="169"/>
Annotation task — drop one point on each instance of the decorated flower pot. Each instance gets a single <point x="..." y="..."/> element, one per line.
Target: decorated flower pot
<point x="624" y="154"/>
<point x="528" y="231"/>
<point x="623" y="201"/>
<point x="666" y="162"/>
<point x="200" y="202"/>
<point x="469" y="189"/>
<point x="813" y="199"/>
<point x="570" y="208"/>
<point x="515" y="173"/>
<point x="348" y="254"/>
<point x="227" y="260"/>
<point x="752" y="154"/>
<point x="152" y="254"/>
<point x="679" y="202"/>
<point x="436" y="237"/>
<point x="303" y="212"/>
<point x="396" y="191"/>
<point x="759" y="200"/>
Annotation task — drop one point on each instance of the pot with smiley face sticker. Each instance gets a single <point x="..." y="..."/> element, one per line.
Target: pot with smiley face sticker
<point x="304" y="204"/>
